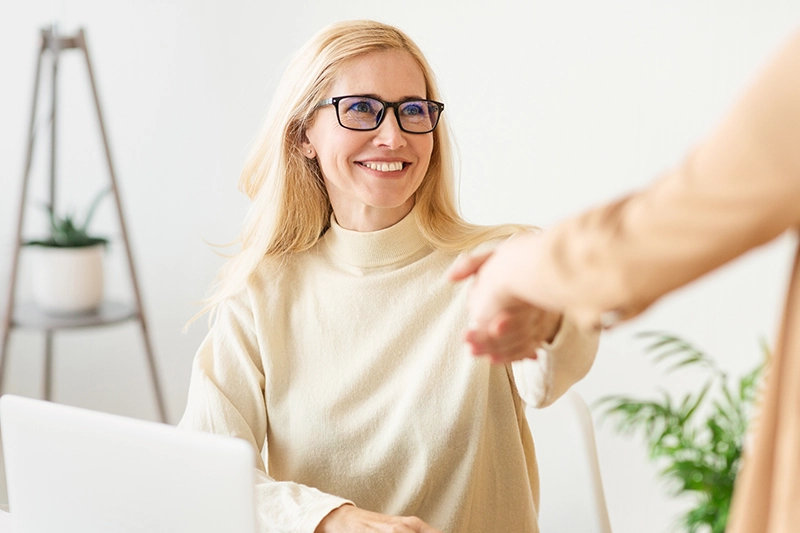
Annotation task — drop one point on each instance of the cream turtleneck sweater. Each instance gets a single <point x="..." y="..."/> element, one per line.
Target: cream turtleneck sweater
<point x="347" y="371"/>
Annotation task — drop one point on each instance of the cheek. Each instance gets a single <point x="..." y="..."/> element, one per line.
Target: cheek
<point x="335" y="157"/>
<point x="333" y="149"/>
<point x="338" y="144"/>
<point x="425" y="150"/>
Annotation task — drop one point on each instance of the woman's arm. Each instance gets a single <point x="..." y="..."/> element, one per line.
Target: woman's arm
<point x="558" y="365"/>
<point x="226" y="396"/>
<point x="738" y="190"/>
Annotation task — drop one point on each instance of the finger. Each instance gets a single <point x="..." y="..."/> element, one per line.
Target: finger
<point x="539" y="328"/>
<point x="511" y="346"/>
<point x="498" y="359"/>
<point x="466" y="265"/>
<point x="483" y="341"/>
<point x="516" y="317"/>
<point x="419" y="526"/>
<point x="500" y="324"/>
<point x="478" y="341"/>
<point x="503" y="354"/>
<point x="517" y="354"/>
<point x="526" y="351"/>
<point x="512" y="330"/>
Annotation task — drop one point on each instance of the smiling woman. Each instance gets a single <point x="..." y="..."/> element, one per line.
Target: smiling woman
<point x="337" y="344"/>
<point x="371" y="175"/>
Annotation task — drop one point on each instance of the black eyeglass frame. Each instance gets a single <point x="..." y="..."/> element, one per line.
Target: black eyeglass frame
<point x="394" y="105"/>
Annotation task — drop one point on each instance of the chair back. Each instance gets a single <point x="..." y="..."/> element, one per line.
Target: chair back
<point x="571" y="492"/>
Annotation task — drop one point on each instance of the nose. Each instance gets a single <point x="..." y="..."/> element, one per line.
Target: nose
<point x="389" y="133"/>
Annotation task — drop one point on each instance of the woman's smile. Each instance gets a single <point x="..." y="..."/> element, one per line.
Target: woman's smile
<point x="390" y="168"/>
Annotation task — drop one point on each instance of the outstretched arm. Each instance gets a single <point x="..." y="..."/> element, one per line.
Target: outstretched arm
<point x="736" y="191"/>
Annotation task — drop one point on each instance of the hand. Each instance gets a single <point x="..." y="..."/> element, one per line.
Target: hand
<point x="515" y="332"/>
<point x="350" y="519"/>
<point x="503" y="326"/>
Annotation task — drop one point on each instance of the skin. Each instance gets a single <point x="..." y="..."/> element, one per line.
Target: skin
<point x="351" y="519"/>
<point x="367" y="199"/>
<point x="501" y="285"/>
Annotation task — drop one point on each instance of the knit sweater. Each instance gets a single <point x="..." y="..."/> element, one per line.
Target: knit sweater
<point x="347" y="371"/>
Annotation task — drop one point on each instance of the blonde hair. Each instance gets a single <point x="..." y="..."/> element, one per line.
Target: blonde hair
<point x="291" y="209"/>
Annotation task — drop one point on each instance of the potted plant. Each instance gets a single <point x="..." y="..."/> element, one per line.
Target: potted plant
<point x="67" y="268"/>
<point x="698" y="439"/>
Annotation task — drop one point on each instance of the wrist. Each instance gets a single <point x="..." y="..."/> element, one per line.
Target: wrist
<point x="327" y="524"/>
<point x="520" y="281"/>
<point x="556" y="328"/>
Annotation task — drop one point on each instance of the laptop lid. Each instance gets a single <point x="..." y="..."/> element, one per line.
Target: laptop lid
<point x="74" y="470"/>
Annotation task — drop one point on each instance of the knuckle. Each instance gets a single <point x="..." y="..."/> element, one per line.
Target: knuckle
<point x="414" y="521"/>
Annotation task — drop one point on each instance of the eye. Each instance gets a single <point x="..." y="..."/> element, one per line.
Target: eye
<point x="360" y="106"/>
<point x="413" y="109"/>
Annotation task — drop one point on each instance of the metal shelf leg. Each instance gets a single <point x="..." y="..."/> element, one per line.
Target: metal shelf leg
<point x="48" y="365"/>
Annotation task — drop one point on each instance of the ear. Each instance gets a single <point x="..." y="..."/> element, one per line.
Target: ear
<point x="308" y="149"/>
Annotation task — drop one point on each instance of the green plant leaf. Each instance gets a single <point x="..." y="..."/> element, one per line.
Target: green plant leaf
<point x="695" y="441"/>
<point x="666" y="347"/>
<point x="93" y="207"/>
<point x="65" y="233"/>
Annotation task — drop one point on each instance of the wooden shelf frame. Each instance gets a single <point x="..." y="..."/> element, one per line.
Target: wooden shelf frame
<point x="52" y="44"/>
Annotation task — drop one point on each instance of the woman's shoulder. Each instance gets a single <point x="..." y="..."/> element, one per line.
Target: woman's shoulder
<point x="461" y="236"/>
<point x="494" y="236"/>
<point x="277" y="273"/>
<point x="271" y="272"/>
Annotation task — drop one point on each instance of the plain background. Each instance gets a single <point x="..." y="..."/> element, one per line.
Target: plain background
<point x="555" y="106"/>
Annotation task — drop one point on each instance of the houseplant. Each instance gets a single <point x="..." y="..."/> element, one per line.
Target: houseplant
<point x="697" y="439"/>
<point x="67" y="267"/>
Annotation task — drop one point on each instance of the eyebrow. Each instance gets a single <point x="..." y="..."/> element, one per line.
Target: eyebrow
<point x="375" y="96"/>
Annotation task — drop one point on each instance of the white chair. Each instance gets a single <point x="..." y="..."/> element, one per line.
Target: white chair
<point x="572" y="498"/>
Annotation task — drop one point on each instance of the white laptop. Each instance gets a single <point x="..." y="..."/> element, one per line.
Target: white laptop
<point x="74" y="470"/>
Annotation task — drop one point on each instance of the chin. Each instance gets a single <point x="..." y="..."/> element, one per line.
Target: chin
<point x="389" y="203"/>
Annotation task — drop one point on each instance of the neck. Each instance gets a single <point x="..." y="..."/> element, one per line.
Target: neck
<point x="368" y="218"/>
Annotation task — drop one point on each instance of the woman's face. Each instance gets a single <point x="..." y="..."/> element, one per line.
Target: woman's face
<point x="371" y="176"/>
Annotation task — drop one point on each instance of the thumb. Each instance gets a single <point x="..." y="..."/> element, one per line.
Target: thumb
<point x="425" y="528"/>
<point x="467" y="265"/>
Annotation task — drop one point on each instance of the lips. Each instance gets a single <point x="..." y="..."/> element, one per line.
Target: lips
<point x="383" y="166"/>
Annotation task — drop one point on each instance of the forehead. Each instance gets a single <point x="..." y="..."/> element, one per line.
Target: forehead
<point x="391" y="75"/>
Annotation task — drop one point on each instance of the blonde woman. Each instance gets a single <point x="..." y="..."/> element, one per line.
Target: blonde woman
<point x="336" y="348"/>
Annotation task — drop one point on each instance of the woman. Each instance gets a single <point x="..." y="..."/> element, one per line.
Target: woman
<point x="336" y="346"/>
<point x="738" y="190"/>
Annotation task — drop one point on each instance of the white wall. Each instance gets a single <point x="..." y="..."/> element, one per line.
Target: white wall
<point x="556" y="105"/>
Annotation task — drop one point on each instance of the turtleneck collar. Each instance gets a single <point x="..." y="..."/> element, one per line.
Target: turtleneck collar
<point x="396" y="245"/>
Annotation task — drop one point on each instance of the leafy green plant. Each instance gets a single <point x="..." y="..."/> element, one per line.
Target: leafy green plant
<point x="696" y="440"/>
<point x="66" y="233"/>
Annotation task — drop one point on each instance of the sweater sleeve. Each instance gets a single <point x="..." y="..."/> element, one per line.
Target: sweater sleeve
<point x="226" y="396"/>
<point x="739" y="189"/>
<point x="558" y="365"/>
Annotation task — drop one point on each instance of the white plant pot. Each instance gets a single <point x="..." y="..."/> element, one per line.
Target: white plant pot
<point x="68" y="280"/>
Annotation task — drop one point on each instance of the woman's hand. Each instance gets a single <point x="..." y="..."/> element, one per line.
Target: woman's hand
<point x="516" y="332"/>
<point x="502" y="326"/>
<point x="350" y="519"/>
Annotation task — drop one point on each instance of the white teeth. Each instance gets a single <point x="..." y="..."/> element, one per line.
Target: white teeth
<point x="383" y="166"/>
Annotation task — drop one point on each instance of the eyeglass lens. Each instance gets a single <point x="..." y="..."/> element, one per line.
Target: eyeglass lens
<point x="363" y="113"/>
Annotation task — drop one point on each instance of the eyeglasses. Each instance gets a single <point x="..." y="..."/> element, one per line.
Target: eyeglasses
<point x="364" y="113"/>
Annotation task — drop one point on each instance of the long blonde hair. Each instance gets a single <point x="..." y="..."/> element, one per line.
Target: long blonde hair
<point x="291" y="209"/>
